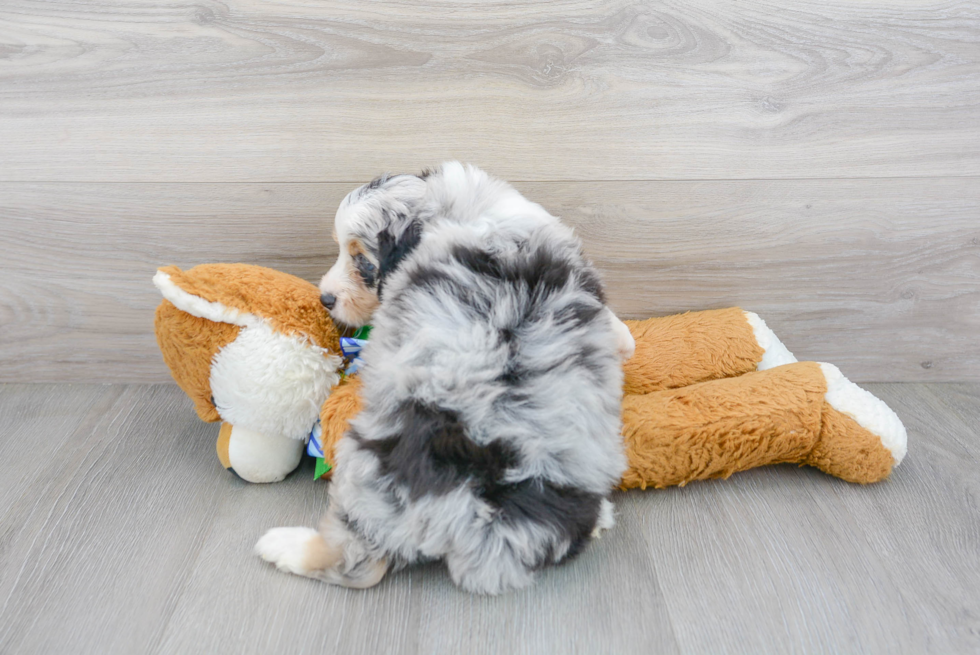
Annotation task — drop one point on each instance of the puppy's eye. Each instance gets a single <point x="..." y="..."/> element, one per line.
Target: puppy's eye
<point x="363" y="263"/>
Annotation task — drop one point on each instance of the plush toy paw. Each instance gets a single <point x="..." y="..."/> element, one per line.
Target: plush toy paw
<point x="774" y="353"/>
<point x="255" y="457"/>
<point x="861" y="438"/>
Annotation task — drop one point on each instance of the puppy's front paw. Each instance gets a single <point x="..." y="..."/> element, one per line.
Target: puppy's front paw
<point x="606" y="519"/>
<point x="625" y="344"/>
<point x="291" y="549"/>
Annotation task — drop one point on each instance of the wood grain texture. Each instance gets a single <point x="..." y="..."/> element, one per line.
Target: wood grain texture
<point x="108" y="523"/>
<point x="125" y="536"/>
<point x="863" y="547"/>
<point x="289" y="90"/>
<point x="881" y="277"/>
<point x="76" y="297"/>
<point x="962" y="399"/>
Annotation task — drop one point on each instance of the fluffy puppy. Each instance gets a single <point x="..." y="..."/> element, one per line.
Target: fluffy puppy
<point x="490" y="434"/>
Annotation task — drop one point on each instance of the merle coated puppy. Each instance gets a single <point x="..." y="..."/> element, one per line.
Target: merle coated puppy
<point x="490" y="434"/>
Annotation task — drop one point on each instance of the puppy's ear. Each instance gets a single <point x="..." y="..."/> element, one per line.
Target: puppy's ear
<point x="391" y="250"/>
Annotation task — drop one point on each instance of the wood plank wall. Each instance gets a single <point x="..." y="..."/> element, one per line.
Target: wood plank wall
<point x="816" y="162"/>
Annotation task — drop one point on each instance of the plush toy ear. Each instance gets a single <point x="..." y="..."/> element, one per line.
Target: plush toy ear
<point x="241" y="294"/>
<point x="188" y="344"/>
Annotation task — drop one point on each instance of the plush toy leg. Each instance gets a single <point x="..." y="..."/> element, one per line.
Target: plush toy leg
<point x="343" y="404"/>
<point x="805" y="413"/>
<point x="680" y="350"/>
<point x="255" y="457"/>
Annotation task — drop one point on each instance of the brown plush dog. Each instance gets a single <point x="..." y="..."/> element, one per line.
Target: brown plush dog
<point x="706" y="393"/>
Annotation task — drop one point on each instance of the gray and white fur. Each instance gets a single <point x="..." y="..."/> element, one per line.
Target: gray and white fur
<point x="490" y="434"/>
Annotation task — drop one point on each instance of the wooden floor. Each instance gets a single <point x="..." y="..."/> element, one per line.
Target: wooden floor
<point x="119" y="533"/>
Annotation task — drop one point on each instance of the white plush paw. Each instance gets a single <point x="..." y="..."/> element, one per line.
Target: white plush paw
<point x="287" y="548"/>
<point x="868" y="410"/>
<point x="774" y="352"/>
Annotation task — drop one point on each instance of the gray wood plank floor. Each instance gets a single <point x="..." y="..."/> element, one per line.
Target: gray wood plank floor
<point x="119" y="533"/>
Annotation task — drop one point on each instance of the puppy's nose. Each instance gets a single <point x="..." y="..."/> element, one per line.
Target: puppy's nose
<point x="328" y="300"/>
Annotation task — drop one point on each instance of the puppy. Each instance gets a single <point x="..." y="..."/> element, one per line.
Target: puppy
<point x="490" y="433"/>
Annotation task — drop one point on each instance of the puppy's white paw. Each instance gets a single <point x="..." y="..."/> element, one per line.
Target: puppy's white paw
<point x="625" y="344"/>
<point x="606" y="519"/>
<point x="289" y="548"/>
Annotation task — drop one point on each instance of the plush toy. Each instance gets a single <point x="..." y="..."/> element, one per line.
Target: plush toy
<point x="706" y="394"/>
<point x="254" y="348"/>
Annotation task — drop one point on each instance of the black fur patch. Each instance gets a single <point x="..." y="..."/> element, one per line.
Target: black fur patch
<point x="350" y="523"/>
<point x="588" y="359"/>
<point x="513" y="374"/>
<point x="392" y="251"/>
<point x="573" y="513"/>
<point x="427" y="278"/>
<point x="377" y="182"/>
<point x="367" y="270"/>
<point x="591" y="283"/>
<point x="578" y="313"/>
<point x="433" y="455"/>
<point x="541" y="272"/>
